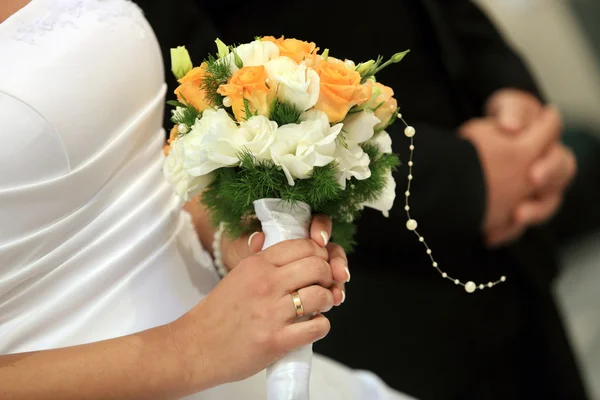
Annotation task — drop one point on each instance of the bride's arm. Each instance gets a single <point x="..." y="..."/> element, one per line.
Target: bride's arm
<point x="244" y="324"/>
<point x="144" y="365"/>
<point x="9" y="7"/>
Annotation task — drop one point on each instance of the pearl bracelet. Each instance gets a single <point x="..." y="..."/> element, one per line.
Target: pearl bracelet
<point x="411" y="224"/>
<point x="218" y="256"/>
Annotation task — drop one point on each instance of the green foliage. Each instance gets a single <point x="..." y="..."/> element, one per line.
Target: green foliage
<point x="217" y="74"/>
<point x="230" y="197"/>
<point x="175" y="103"/>
<point x="183" y="114"/>
<point x="249" y="113"/>
<point x="284" y="113"/>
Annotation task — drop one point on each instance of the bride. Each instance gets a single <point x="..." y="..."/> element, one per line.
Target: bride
<point x="105" y="289"/>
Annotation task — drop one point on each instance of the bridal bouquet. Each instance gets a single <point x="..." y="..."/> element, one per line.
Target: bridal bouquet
<point x="274" y="130"/>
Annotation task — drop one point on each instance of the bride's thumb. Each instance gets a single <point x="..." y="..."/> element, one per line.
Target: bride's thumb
<point x="245" y="246"/>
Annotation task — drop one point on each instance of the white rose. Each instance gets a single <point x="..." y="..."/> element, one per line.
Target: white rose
<point x="386" y="198"/>
<point x="186" y="186"/>
<point x="296" y="83"/>
<point x="383" y="141"/>
<point x="256" y="135"/>
<point x="326" y="147"/>
<point x="359" y="126"/>
<point x="210" y="144"/>
<point x="298" y="148"/>
<point x="353" y="162"/>
<point x="252" y="54"/>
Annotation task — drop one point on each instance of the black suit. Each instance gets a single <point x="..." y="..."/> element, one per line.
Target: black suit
<point x="422" y="334"/>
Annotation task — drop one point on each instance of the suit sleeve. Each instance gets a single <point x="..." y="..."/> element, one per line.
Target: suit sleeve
<point x="448" y="193"/>
<point x="490" y="62"/>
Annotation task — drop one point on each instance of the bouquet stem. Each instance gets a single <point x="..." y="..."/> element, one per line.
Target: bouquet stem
<point x="288" y="378"/>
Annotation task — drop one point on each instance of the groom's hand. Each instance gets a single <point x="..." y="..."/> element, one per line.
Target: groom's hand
<point x="513" y="110"/>
<point x="320" y="231"/>
<point x="507" y="161"/>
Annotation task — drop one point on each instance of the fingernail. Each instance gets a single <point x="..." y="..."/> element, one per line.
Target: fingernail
<point x="343" y="296"/>
<point x="348" y="273"/>
<point x="325" y="237"/>
<point x="250" y="238"/>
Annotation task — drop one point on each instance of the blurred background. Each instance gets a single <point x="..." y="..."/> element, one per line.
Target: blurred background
<point x="560" y="40"/>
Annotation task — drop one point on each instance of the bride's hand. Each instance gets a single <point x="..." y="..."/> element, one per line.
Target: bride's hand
<point x="249" y="320"/>
<point x="320" y="231"/>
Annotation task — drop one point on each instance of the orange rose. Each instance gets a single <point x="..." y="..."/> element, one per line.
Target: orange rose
<point x="172" y="136"/>
<point x="388" y="106"/>
<point x="295" y="49"/>
<point x="340" y="89"/>
<point x="189" y="91"/>
<point x="248" y="83"/>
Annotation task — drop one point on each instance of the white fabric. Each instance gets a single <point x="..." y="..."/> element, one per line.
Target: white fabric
<point x="93" y="244"/>
<point x="288" y="378"/>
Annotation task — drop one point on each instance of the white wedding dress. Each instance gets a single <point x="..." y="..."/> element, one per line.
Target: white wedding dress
<point x="93" y="244"/>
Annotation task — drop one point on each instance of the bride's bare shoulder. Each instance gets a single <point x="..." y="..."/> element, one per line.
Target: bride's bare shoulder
<point x="9" y="7"/>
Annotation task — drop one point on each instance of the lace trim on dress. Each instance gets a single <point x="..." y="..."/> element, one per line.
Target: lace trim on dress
<point x="62" y="14"/>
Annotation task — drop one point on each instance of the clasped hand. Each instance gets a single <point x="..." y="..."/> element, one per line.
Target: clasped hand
<point x="526" y="167"/>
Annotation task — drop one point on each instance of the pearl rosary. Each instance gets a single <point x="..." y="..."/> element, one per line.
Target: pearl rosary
<point x="411" y="224"/>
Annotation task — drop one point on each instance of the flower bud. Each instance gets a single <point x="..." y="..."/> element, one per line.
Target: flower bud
<point x="181" y="62"/>
<point x="396" y="58"/>
<point x="238" y="61"/>
<point x="365" y="68"/>
<point x="222" y="49"/>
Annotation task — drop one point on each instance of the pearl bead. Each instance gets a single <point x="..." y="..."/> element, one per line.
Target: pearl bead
<point x="411" y="224"/>
<point x="428" y="251"/>
<point x="444" y="275"/>
<point x="410" y="177"/>
<point x="406" y="208"/>
<point x="481" y="286"/>
<point x="411" y="147"/>
<point x="435" y="265"/>
<point x="407" y="193"/>
<point x="421" y="239"/>
<point x="456" y="282"/>
<point x="410" y="163"/>
<point x="183" y="129"/>
<point x="503" y="279"/>
<point x="470" y="287"/>
<point x="399" y="115"/>
<point x="227" y="102"/>
<point x="490" y="284"/>
<point x="409" y="131"/>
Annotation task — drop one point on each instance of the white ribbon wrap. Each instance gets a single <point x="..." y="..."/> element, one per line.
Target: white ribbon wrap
<point x="288" y="378"/>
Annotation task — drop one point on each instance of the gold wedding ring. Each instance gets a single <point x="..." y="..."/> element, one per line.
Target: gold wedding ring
<point x="298" y="304"/>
